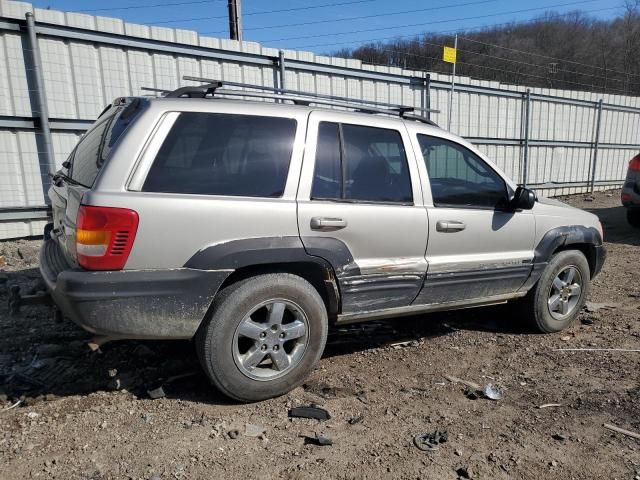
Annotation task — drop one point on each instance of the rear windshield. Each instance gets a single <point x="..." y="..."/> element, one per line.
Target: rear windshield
<point x="94" y="147"/>
<point x="224" y="154"/>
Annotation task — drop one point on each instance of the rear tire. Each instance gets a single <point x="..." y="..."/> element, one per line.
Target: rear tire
<point x="264" y="337"/>
<point x="555" y="301"/>
<point x="633" y="217"/>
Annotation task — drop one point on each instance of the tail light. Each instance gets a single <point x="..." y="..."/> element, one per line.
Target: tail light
<point x="634" y="164"/>
<point x="104" y="237"/>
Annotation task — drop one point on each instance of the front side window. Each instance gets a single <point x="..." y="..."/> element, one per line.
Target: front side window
<point x="224" y="154"/>
<point x="458" y="177"/>
<point x="361" y="164"/>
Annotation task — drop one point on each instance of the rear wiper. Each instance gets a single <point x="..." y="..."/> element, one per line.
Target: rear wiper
<point x="63" y="176"/>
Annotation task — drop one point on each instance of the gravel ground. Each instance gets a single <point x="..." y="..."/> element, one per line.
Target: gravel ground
<point x="87" y="414"/>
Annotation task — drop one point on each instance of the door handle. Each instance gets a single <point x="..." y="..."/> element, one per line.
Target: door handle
<point x="450" y="226"/>
<point x="327" y="224"/>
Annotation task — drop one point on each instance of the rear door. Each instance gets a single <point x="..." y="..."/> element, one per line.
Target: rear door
<point x="477" y="247"/>
<point x="360" y="207"/>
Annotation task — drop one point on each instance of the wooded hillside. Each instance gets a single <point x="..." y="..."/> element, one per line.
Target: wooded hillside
<point x="571" y="51"/>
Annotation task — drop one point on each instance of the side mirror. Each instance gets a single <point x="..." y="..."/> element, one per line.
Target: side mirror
<point x="523" y="199"/>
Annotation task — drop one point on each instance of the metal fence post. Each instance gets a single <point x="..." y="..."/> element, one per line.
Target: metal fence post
<point x="596" y="142"/>
<point x="525" y="157"/>
<point x="41" y="98"/>
<point x="453" y="83"/>
<point x="282" y="67"/>
<point x="427" y="93"/>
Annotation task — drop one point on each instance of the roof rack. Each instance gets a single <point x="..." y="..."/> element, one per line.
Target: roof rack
<point x="212" y="88"/>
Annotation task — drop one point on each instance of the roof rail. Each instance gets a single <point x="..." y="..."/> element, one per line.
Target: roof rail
<point x="155" y="90"/>
<point x="212" y="88"/>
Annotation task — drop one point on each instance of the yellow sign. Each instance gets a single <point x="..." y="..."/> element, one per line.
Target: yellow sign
<point x="449" y="55"/>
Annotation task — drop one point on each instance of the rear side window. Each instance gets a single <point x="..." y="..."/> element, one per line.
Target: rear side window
<point x="95" y="146"/>
<point x="224" y="154"/>
<point x="360" y="163"/>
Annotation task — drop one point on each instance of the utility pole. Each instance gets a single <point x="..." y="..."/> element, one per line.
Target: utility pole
<point x="235" y="20"/>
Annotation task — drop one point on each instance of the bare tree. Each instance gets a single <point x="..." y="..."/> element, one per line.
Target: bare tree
<point x="572" y="51"/>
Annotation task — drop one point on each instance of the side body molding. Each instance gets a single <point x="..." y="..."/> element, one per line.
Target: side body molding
<point x="365" y="289"/>
<point x="352" y="291"/>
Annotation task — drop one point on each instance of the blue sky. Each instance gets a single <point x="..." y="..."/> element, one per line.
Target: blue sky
<point x="324" y="26"/>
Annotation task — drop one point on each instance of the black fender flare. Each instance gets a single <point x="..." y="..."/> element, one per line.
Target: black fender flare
<point x="329" y="253"/>
<point x="561" y="237"/>
<point x="246" y="252"/>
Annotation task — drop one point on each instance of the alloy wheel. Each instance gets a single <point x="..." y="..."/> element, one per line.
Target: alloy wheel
<point x="565" y="292"/>
<point x="271" y="340"/>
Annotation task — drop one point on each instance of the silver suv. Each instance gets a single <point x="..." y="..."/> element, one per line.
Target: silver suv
<point x="251" y="227"/>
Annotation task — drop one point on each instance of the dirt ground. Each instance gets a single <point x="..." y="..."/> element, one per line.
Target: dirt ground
<point x="87" y="414"/>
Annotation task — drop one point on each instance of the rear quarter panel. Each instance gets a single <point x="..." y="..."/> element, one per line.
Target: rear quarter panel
<point x="174" y="227"/>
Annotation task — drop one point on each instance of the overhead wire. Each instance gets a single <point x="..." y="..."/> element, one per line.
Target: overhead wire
<point x="520" y="62"/>
<point x="562" y="80"/>
<point x="613" y="79"/>
<point x="156" y="5"/>
<point x="547" y="56"/>
<point x="191" y="2"/>
<point x="373" y="15"/>
<point x="591" y="86"/>
<point x="265" y="12"/>
<point x="401" y="52"/>
<point x="416" y="35"/>
<point x="421" y="24"/>
<point x="534" y="64"/>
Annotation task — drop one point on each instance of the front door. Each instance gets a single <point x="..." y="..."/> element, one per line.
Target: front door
<point x="477" y="247"/>
<point x="360" y="207"/>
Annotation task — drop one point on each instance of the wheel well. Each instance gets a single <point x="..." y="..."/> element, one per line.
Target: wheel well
<point x="587" y="249"/>
<point x="320" y="276"/>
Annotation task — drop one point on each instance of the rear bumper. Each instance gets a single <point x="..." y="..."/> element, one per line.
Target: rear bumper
<point x="141" y="304"/>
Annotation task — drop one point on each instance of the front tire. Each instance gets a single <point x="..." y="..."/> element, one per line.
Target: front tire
<point x="264" y="337"/>
<point x="555" y="301"/>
